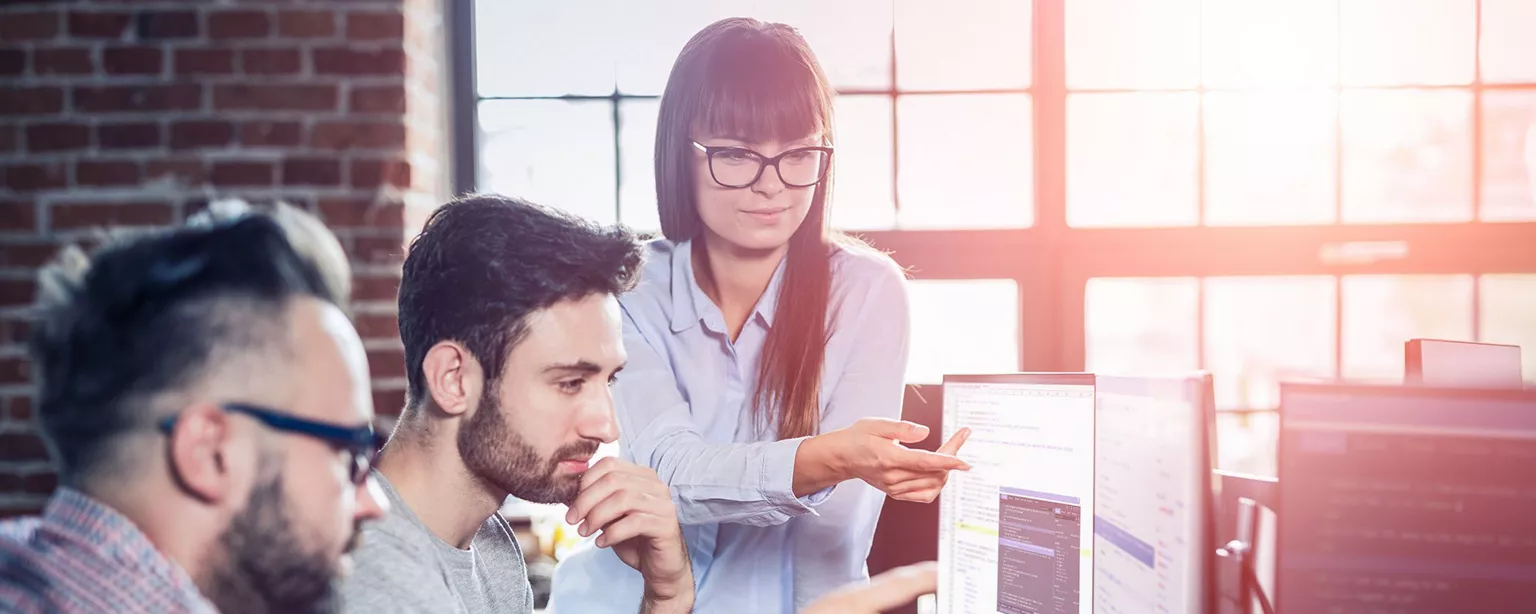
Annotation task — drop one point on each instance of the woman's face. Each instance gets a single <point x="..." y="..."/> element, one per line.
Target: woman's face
<point x="764" y="214"/>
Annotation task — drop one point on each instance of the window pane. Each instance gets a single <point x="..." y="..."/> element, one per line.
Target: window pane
<point x="1246" y="443"/>
<point x="544" y="48"/>
<point x="1509" y="156"/>
<point x="654" y="32"/>
<point x="1131" y="159"/>
<point x="1129" y="44"/>
<point x="938" y="44"/>
<point x="1407" y="42"/>
<point x="637" y="178"/>
<point x="861" y="197"/>
<point x="1507" y="45"/>
<point x="552" y="152"/>
<point x="1270" y="158"/>
<point x="1507" y="314"/>
<point x="1382" y="312"/>
<point x="851" y="38"/>
<point x="1142" y="325"/>
<point x="1261" y="330"/>
<point x="965" y="161"/>
<point x="1267" y="43"/>
<point x="1407" y="156"/>
<point x="984" y="340"/>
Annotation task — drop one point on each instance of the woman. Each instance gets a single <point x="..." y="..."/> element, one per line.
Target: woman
<point x="766" y="353"/>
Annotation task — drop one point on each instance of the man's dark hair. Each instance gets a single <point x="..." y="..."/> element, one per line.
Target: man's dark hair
<point x="150" y="314"/>
<point x="482" y="263"/>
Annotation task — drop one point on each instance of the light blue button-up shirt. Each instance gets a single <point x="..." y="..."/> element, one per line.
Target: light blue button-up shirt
<point x="684" y="406"/>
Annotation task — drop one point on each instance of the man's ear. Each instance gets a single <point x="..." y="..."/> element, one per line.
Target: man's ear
<point x="453" y="376"/>
<point x="200" y="455"/>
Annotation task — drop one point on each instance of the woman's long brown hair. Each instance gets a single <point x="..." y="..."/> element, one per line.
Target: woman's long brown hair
<point x="761" y="82"/>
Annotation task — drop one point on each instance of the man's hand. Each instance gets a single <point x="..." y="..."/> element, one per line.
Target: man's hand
<point x="891" y="589"/>
<point x="634" y="511"/>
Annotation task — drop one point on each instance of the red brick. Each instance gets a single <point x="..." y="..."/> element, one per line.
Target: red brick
<point x="228" y="25"/>
<point x="306" y="24"/>
<point x="15" y="292"/>
<point x="18" y="510"/>
<point x="27" y="255"/>
<point x="58" y="137"/>
<point x="128" y="136"/>
<point x="29" y="26"/>
<point x="271" y="134"/>
<point x="15" y="370"/>
<point x="388" y="402"/>
<point x="152" y="25"/>
<point x="133" y="61"/>
<point x="42" y="483"/>
<point x="377" y="250"/>
<point x="373" y="173"/>
<point x="11" y="482"/>
<point x="92" y="24"/>
<point x="186" y="172"/>
<point x="245" y="174"/>
<point x="375" y="287"/>
<point x="63" y="61"/>
<point x="31" y="100"/>
<point x="28" y="177"/>
<point x="376" y="326"/>
<point x="361" y="213"/>
<point x="275" y="97"/>
<point x="270" y="61"/>
<point x="352" y="135"/>
<point x="205" y="61"/>
<point x="311" y="171"/>
<point x="22" y="447"/>
<point x="176" y="97"/>
<point x="13" y="61"/>
<point x="386" y="363"/>
<point x="21" y="407"/>
<point x="374" y="26"/>
<point x="348" y="61"/>
<point x="191" y="134"/>
<point x="380" y="99"/>
<point x="18" y="215"/>
<point x="89" y="215"/>
<point x="107" y="173"/>
<point x="10" y="138"/>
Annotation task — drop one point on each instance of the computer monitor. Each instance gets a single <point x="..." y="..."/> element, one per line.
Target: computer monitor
<point x="1461" y="364"/>
<point x="1153" y="548"/>
<point x="1406" y="500"/>
<point x="1015" y="532"/>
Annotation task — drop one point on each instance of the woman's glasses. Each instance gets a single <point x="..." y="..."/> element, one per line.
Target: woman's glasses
<point x="739" y="167"/>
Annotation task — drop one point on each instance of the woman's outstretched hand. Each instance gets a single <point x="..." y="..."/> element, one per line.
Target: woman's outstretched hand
<point x="871" y="450"/>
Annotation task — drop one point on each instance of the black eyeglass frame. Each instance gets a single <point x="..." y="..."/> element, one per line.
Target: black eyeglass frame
<point x="763" y="162"/>
<point x="362" y="442"/>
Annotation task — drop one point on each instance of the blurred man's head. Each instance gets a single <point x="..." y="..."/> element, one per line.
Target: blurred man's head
<point x="203" y="381"/>
<point x="512" y="334"/>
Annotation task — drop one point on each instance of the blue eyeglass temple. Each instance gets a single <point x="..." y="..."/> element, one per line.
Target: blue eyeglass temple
<point x="354" y="437"/>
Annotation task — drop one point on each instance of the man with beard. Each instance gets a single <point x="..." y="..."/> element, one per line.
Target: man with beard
<point x="512" y="335"/>
<point x="208" y="406"/>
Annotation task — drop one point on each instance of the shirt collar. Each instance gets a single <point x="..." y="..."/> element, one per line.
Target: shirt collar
<point x="690" y="305"/>
<point x="77" y="516"/>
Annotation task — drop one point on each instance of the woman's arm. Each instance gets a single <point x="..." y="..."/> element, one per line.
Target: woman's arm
<point x="747" y="483"/>
<point x="830" y="549"/>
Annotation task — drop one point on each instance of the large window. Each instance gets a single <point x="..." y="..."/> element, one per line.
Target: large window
<point x="1268" y="190"/>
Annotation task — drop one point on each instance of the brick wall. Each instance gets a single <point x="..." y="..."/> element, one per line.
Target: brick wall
<point x="139" y="112"/>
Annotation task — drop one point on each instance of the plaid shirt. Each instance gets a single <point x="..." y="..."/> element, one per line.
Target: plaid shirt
<point x="82" y="556"/>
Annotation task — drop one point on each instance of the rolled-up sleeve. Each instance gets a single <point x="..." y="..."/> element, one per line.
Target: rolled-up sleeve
<point x="747" y="483"/>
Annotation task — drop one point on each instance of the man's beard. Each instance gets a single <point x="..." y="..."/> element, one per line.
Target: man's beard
<point x="500" y="456"/>
<point x="264" y="566"/>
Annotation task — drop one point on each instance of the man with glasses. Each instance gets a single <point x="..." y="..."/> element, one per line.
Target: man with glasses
<point x="208" y="406"/>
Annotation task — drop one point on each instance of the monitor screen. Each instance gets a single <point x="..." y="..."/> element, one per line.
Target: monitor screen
<point x="1152" y="532"/>
<point x="1406" y="500"/>
<point x="1016" y="531"/>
